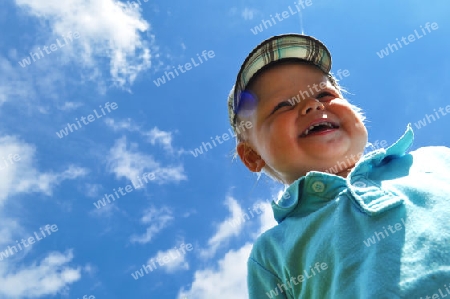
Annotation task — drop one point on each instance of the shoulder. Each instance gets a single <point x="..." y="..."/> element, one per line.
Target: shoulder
<point x="268" y="243"/>
<point x="266" y="261"/>
<point x="436" y="152"/>
<point x="435" y="158"/>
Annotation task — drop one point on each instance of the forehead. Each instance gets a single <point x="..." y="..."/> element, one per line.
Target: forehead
<point x="308" y="71"/>
<point x="281" y="79"/>
<point x="287" y="79"/>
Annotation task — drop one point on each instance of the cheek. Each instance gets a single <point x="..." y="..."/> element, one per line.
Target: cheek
<point x="282" y="133"/>
<point x="346" y="114"/>
<point x="357" y="125"/>
<point x="354" y="125"/>
<point x="285" y="123"/>
<point x="277" y="137"/>
<point x="350" y="120"/>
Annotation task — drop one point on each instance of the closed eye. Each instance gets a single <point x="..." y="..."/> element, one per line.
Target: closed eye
<point x="324" y="94"/>
<point x="281" y="105"/>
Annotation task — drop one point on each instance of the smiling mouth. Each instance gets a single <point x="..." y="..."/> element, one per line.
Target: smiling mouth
<point x="319" y="128"/>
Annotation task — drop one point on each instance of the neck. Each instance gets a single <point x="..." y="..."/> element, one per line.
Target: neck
<point x="345" y="172"/>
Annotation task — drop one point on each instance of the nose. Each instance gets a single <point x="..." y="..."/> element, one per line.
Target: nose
<point x="311" y="105"/>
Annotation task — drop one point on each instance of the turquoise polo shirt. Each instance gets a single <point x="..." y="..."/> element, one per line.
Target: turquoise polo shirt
<point x="382" y="232"/>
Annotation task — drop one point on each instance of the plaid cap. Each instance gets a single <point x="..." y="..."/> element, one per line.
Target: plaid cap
<point x="275" y="49"/>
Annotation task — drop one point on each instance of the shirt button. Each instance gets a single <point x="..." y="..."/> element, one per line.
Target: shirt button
<point x="318" y="186"/>
<point x="360" y="184"/>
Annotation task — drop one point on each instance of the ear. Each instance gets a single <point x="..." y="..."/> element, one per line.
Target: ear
<point x="250" y="157"/>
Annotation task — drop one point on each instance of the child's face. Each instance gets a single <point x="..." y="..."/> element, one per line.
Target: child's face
<point x="277" y="136"/>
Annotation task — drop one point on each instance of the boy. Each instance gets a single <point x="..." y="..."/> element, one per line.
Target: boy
<point x="349" y="226"/>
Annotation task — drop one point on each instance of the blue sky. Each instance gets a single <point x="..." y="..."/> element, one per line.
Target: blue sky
<point x="94" y="70"/>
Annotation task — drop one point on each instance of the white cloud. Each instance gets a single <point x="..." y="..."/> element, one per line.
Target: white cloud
<point x="248" y="13"/>
<point x="232" y="226"/>
<point x="92" y="190"/>
<point x="68" y="106"/>
<point x="130" y="163"/>
<point x="158" y="218"/>
<point x="18" y="174"/>
<point x="228" y="281"/>
<point x="161" y="137"/>
<point x="12" y="85"/>
<point x="107" y="28"/>
<point x="169" y="174"/>
<point x="106" y="211"/>
<point x="266" y="219"/>
<point x="229" y="278"/>
<point x="177" y="260"/>
<point x="8" y="229"/>
<point x="50" y="276"/>
<point x="44" y="182"/>
<point x="121" y="125"/>
<point x="154" y="136"/>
